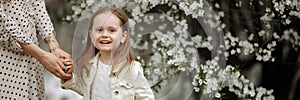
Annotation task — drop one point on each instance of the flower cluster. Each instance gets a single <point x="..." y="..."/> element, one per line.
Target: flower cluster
<point x="234" y="46"/>
<point x="211" y="79"/>
<point x="293" y="37"/>
<point x="201" y="42"/>
<point x="285" y="11"/>
<point x="173" y="53"/>
<point x="195" y="9"/>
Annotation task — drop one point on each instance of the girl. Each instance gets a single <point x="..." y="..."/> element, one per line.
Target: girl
<point x="106" y="68"/>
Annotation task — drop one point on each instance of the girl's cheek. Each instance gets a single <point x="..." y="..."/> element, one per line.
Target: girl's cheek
<point x="94" y="36"/>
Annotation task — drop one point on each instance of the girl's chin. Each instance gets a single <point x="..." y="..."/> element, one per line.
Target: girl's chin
<point x="104" y="49"/>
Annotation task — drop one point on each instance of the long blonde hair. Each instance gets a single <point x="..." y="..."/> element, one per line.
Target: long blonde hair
<point x="122" y="53"/>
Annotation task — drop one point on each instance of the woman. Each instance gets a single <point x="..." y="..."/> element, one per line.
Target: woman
<point x="21" y="72"/>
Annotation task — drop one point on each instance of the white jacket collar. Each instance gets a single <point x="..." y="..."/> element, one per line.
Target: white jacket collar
<point x="116" y="68"/>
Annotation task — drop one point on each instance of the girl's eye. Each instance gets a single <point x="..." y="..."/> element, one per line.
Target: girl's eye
<point x="99" y="30"/>
<point x="112" y="30"/>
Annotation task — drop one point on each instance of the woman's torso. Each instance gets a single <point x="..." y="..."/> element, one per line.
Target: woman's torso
<point x="21" y="75"/>
<point x="21" y="12"/>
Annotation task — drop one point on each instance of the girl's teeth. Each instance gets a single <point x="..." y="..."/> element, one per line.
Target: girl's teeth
<point x="104" y="42"/>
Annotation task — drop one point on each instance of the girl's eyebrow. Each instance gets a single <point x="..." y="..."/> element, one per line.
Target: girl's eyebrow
<point x="113" y="26"/>
<point x="110" y="26"/>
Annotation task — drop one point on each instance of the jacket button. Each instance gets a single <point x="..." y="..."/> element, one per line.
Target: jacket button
<point x="116" y="92"/>
<point x="114" y="74"/>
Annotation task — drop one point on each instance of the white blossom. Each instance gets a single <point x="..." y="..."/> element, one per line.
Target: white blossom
<point x="217" y="95"/>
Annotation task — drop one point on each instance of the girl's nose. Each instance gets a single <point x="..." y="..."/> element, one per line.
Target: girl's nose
<point x="104" y="33"/>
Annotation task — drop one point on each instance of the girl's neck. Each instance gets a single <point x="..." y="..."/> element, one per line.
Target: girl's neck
<point x="105" y="58"/>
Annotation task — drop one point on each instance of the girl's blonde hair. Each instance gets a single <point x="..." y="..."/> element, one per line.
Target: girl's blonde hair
<point x="122" y="53"/>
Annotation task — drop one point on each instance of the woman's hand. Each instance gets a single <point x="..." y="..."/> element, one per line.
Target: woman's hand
<point x="52" y="63"/>
<point x="67" y="61"/>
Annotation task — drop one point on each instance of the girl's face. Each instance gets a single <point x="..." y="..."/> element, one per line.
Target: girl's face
<point x="106" y="33"/>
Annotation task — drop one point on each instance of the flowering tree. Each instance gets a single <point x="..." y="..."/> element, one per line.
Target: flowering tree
<point x="211" y="40"/>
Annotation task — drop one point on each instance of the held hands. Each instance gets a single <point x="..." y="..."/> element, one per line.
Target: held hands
<point x="67" y="61"/>
<point x="54" y="65"/>
<point x="68" y="68"/>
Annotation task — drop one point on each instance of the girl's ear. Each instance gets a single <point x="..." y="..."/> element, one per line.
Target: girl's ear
<point x="124" y="36"/>
<point x="90" y="35"/>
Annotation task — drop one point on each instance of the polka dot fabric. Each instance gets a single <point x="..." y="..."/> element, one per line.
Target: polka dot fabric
<point x="21" y="21"/>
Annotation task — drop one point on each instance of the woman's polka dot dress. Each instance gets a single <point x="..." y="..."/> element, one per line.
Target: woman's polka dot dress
<point x="21" y="21"/>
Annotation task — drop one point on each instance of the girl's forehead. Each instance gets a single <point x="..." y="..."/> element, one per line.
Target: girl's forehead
<point x="106" y="18"/>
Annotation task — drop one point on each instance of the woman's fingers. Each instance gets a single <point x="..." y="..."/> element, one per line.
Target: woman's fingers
<point x="58" y="70"/>
<point x="57" y="75"/>
<point x="67" y="68"/>
<point x="70" y="70"/>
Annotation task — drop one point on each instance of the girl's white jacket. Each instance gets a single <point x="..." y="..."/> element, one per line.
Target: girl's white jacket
<point x="129" y="84"/>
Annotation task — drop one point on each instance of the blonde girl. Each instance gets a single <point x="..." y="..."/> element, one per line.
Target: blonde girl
<point x="106" y="68"/>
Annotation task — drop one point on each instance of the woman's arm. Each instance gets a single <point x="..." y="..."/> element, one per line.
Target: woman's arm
<point x="11" y="34"/>
<point x="41" y="19"/>
<point x="45" y="29"/>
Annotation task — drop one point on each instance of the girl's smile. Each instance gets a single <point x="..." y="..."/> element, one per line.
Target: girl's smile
<point x="105" y="42"/>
